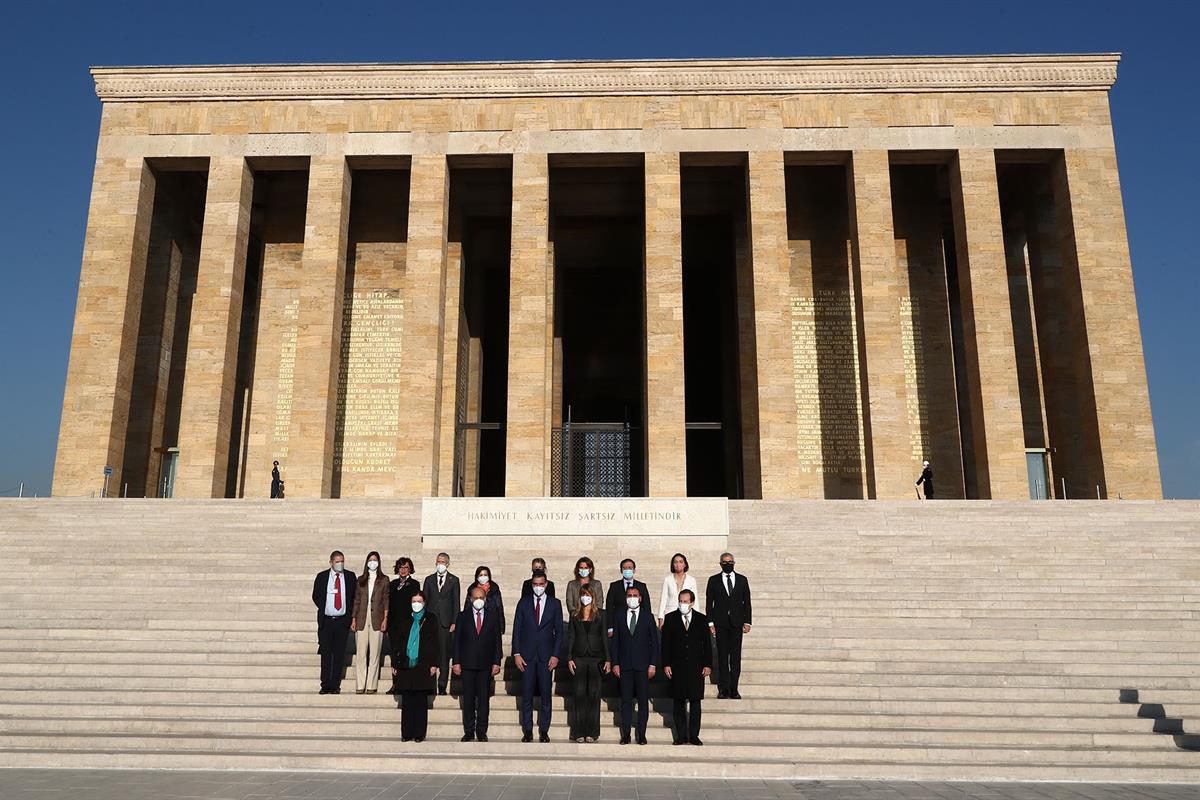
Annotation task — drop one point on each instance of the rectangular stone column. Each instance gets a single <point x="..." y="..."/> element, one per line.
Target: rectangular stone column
<point x="309" y="468"/>
<point x="417" y="470"/>
<point x="104" y="342"/>
<point x="451" y="339"/>
<point x="891" y="468"/>
<point x="773" y="292"/>
<point x="530" y="331"/>
<point x="987" y="335"/>
<point x="206" y="410"/>
<point x="1092" y="216"/>
<point x="666" y="435"/>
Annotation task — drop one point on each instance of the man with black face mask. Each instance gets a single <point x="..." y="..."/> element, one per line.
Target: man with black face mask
<point x="727" y="606"/>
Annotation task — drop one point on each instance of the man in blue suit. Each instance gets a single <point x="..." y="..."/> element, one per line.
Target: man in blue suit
<point x="537" y="643"/>
<point x="634" y="655"/>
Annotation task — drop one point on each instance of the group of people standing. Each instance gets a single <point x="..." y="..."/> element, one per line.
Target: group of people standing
<point x="433" y="632"/>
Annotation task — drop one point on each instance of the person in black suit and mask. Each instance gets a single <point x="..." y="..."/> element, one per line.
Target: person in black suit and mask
<point x="634" y="655"/>
<point x="687" y="662"/>
<point x="444" y="597"/>
<point x="727" y="605"/>
<point x="538" y="565"/>
<point x="614" y="601"/>
<point x="478" y="653"/>
<point x="537" y="641"/>
<point x="333" y="595"/>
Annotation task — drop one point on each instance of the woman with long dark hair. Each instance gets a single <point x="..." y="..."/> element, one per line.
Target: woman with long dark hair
<point x="493" y="599"/>
<point x="587" y="660"/>
<point x="369" y="623"/>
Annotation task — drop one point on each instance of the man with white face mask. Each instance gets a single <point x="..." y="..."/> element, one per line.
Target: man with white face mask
<point x="333" y="595"/>
<point x="478" y="653"/>
<point x="445" y="599"/>
<point x="687" y="662"/>
<point x="615" y="601"/>
<point x="537" y="645"/>
<point x="634" y="655"/>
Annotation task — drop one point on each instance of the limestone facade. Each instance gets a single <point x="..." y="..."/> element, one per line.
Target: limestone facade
<point x="847" y="265"/>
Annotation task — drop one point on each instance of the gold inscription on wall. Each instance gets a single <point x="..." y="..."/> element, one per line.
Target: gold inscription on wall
<point x="828" y="400"/>
<point x="914" y="378"/>
<point x="369" y="381"/>
<point x="286" y="380"/>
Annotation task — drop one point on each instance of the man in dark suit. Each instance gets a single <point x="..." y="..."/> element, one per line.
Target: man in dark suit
<point x="444" y="598"/>
<point x="634" y="656"/>
<point x="537" y="644"/>
<point x="727" y="605"/>
<point x="687" y="661"/>
<point x="539" y="564"/>
<point x="333" y="595"/>
<point x="614" y="601"/>
<point x="478" y="653"/>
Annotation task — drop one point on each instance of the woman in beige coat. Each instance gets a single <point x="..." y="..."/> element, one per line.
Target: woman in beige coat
<point x="369" y="623"/>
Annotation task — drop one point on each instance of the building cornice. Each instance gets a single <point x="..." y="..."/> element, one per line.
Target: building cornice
<point x="782" y="76"/>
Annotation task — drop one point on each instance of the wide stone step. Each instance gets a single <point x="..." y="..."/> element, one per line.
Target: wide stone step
<point x="716" y="715"/>
<point x="509" y="745"/>
<point x="658" y="732"/>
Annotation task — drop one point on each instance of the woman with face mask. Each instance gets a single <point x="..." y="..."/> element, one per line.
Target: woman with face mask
<point x="399" y="597"/>
<point x="585" y="575"/>
<point x="677" y="581"/>
<point x="415" y="659"/>
<point x="587" y="660"/>
<point x="370" y="621"/>
<point x="494" y="601"/>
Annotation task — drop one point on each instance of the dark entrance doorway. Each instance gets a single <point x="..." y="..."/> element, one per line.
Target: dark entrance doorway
<point x="598" y="241"/>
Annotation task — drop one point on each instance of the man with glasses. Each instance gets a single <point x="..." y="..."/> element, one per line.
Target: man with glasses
<point x="333" y="595"/>
<point x="727" y="606"/>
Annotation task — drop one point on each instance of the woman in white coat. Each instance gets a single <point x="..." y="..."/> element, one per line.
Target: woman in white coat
<point x="673" y="584"/>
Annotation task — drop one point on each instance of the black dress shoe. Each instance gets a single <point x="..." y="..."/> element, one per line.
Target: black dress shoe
<point x="735" y="696"/>
<point x="678" y="742"/>
<point x="323" y="691"/>
<point x="335" y="691"/>
<point x="722" y="696"/>
<point x="442" y="692"/>
<point x="419" y="739"/>
<point x="543" y="737"/>
<point x="641" y="740"/>
<point x="406" y="738"/>
<point x="482" y="737"/>
<point x="527" y="737"/>
<point x="468" y="737"/>
<point x="624" y="740"/>
<point x="696" y="742"/>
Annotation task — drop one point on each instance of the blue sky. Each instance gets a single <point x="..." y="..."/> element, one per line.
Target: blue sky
<point x="51" y="117"/>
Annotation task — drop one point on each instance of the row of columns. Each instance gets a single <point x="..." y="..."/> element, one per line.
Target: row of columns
<point x="103" y="345"/>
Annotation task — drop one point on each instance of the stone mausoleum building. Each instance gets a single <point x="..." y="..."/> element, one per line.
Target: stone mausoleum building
<point x="762" y="278"/>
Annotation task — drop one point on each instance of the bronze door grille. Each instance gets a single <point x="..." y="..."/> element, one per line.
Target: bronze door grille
<point x="590" y="460"/>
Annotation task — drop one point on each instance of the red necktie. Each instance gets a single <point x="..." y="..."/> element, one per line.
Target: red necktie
<point x="539" y="612"/>
<point x="337" y="592"/>
<point x="478" y="622"/>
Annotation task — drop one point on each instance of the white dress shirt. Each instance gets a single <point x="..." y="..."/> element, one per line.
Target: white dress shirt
<point x="330" y="611"/>
<point x="670" y="594"/>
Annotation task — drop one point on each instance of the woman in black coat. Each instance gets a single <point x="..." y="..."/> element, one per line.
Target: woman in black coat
<point x="399" y="598"/>
<point x="491" y="594"/>
<point x="415" y="680"/>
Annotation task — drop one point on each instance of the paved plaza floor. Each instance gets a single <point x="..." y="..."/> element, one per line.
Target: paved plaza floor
<point x="36" y="784"/>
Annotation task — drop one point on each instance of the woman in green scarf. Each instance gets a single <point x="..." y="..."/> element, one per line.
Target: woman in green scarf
<point x="415" y="659"/>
